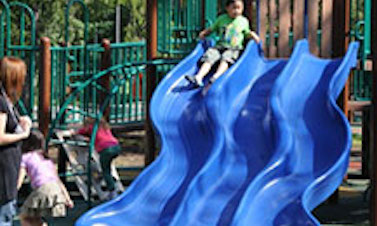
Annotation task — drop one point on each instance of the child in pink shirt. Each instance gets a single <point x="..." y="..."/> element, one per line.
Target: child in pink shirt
<point x="49" y="196"/>
<point x="107" y="147"/>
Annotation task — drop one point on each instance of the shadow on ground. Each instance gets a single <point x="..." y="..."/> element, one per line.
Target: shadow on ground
<point x="351" y="209"/>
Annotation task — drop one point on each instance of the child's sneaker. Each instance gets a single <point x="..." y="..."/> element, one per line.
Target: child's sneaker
<point x="200" y="83"/>
<point x="211" y="80"/>
<point x="193" y="80"/>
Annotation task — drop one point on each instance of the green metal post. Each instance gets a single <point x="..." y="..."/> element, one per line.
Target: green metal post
<point x="8" y="27"/>
<point x="2" y="32"/>
<point x="367" y="27"/>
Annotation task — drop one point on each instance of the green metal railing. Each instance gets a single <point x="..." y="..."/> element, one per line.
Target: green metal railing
<point x="360" y="23"/>
<point x="68" y="68"/>
<point x="128" y="105"/>
<point x="73" y="64"/>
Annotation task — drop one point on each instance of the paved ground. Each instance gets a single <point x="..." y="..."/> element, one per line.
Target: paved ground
<point x="350" y="210"/>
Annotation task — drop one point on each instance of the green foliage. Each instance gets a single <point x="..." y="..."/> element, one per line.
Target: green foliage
<point x="133" y="19"/>
<point x="50" y="17"/>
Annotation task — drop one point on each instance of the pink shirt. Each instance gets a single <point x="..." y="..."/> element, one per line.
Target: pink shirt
<point x="40" y="170"/>
<point x="104" y="138"/>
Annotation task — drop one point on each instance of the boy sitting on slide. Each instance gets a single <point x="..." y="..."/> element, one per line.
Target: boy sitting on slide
<point x="232" y="28"/>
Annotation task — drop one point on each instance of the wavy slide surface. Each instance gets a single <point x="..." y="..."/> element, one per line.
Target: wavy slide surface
<point x="181" y="119"/>
<point x="238" y="107"/>
<point x="237" y="149"/>
<point x="312" y="142"/>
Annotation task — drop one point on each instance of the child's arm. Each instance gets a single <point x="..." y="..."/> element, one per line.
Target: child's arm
<point x="72" y="132"/>
<point x="254" y="36"/>
<point x="85" y="130"/>
<point x="21" y="177"/>
<point x="204" y="33"/>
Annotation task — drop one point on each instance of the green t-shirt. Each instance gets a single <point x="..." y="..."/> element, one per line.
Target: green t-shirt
<point x="231" y="31"/>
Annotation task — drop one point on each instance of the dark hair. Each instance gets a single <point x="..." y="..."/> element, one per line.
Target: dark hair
<point x="229" y="2"/>
<point x="35" y="141"/>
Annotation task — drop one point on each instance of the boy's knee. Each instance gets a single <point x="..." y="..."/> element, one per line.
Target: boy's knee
<point x="211" y="56"/>
<point x="230" y="56"/>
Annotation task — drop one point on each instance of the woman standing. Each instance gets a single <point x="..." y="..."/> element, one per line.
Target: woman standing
<point x="13" y="129"/>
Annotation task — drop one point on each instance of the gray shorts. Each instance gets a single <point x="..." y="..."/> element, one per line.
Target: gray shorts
<point x="214" y="54"/>
<point x="7" y="212"/>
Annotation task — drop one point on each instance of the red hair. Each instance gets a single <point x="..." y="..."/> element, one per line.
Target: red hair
<point x="12" y="76"/>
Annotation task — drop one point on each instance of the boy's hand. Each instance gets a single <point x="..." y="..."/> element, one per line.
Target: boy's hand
<point x="202" y="35"/>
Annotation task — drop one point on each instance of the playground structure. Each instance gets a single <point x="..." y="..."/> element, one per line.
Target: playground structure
<point x="251" y="143"/>
<point x="327" y="39"/>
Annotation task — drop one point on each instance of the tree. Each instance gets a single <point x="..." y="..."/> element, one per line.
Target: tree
<point x="51" y="20"/>
<point x="133" y="19"/>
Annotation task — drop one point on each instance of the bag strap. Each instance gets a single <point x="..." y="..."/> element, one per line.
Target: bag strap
<point x="13" y="111"/>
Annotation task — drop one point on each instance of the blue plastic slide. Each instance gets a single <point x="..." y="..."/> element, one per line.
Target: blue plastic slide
<point x="238" y="107"/>
<point x="264" y="146"/>
<point x="181" y="120"/>
<point x="312" y="140"/>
